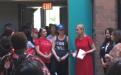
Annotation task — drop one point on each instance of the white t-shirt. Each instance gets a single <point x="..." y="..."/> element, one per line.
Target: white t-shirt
<point x="51" y="38"/>
<point x="30" y="44"/>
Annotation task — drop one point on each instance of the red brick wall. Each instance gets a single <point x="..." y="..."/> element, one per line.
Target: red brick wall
<point x="105" y="15"/>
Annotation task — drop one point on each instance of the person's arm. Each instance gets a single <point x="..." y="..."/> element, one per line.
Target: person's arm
<point x="114" y="54"/>
<point x="66" y="55"/>
<point x="108" y="57"/>
<point x="103" y="63"/>
<point x="67" y="39"/>
<point x="53" y="51"/>
<point x="93" y="48"/>
<point x="39" y="52"/>
<point x="49" y="55"/>
<point x="102" y="49"/>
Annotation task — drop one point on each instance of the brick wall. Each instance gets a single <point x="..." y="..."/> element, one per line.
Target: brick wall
<point x="105" y="12"/>
<point x="105" y="15"/>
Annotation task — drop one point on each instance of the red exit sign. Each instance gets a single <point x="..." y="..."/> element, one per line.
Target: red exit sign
<point x="47" y="6"/>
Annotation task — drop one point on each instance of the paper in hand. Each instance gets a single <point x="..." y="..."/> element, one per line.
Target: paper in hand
<point x="81" y="54"/>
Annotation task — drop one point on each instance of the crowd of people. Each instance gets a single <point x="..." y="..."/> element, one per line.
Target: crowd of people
<point x="45" y="51"/>
<point x="34" y="52"/>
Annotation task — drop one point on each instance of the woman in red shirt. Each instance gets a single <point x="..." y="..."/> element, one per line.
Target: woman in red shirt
<point x="43" y="47"/>
<point x="83" y="42"/>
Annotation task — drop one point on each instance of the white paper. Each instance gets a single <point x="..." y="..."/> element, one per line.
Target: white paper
<point x="81" y="54"/>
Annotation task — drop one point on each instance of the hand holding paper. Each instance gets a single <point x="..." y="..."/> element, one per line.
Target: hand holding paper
<point x="81" y="54"/>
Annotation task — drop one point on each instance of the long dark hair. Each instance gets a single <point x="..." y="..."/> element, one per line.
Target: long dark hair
<point x="110" y="32"/>
<point x="40" y="31"/>
<point x="50" y="26"/>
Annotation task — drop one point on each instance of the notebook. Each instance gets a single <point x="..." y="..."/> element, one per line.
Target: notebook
<point x="81" y="54"/>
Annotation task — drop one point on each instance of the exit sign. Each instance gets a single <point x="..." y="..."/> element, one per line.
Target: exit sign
<point x="47" y="6"/>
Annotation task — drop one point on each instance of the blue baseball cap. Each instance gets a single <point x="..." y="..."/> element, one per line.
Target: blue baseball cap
<point x="60" y="27"/>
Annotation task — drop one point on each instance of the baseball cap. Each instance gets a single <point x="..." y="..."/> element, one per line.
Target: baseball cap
<point x="60" y="27"/>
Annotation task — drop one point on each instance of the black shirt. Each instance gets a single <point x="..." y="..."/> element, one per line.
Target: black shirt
<point x="105" y="48"/>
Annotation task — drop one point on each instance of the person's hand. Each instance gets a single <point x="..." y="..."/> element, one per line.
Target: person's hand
<point x="104" y="65"/>
<point x="107" y="56"/>
<point x="85" y="53"/>
<point x="63" y="58"/>
<point x="46" y="56"/>
<point x="49" y="56"/>
<point x="74" y="54"/>
<point x="58" y="59"/>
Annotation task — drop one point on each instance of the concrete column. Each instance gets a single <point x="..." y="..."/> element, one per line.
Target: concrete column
<point x="80" y="11"/>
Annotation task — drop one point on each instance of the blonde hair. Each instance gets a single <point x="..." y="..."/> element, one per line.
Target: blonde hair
<point x="80" y="26"/>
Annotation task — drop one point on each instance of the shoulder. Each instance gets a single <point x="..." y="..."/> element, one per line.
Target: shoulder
<point x="118" y="46"/>
<point x="49" y="36"/>
<point x="90" y="40"/>
<point x="36" y="40"/>
<point x="88" y="37"/>
<point x="41" y="39"/>
<point x="66" y="38"/>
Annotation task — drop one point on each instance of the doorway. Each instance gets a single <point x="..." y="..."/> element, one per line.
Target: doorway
<point x="33" y="14"/>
